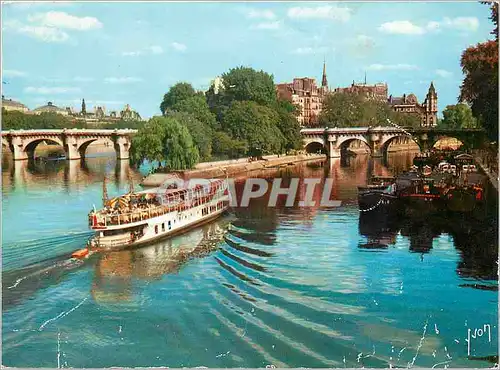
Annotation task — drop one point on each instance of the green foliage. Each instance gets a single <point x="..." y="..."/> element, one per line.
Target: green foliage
<point x="353" y="110"/>
<point x="289" y="126"/>
<point x="14" y="120"/>
<point x="458" y="116"/>
<point x="342" y="110"/>
<point x="200" y="132"/>
<point x="177" y="93"/>
<point x="167" y="141"/>
<point x="247" y="84"/>
<point x="198" y="107"/>
<point x="255" y="124"/>
<point x="225" y="146"/>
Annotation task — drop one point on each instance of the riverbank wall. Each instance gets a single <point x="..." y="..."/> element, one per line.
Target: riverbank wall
<point x="492" y="176"/>
<point x="231" y="168"/>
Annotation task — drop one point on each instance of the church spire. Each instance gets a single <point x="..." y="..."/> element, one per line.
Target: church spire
<point x="84" y="111"/>
<point x="324" y="81"/>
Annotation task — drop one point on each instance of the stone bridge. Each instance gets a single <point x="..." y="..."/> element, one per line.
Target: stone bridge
<point x="335" y="141"/>
<point x="75" y="142"/>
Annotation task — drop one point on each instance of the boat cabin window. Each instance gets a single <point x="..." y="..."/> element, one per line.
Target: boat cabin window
<point x="163" y="226"/>
<point x="156" y="229"/>
<point x="169" y="225"/>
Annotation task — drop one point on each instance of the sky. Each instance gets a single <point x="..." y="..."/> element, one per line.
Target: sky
<point x="116" y="53"/>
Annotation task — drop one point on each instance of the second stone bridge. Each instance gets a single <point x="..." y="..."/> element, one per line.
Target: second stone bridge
<point x="335" y="141"/>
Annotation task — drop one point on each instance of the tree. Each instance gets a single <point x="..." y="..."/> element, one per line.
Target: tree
<point x="458" y="116"/>
<point x="256" y="125"/>
<point x="344" y="110"/>
<point x="224" y="145"/>
<point x="166" y="141"/>
<point x="354" y="110"/>
<point x="247" y="84"/>
<point x="200" y="132"/>
<point x="289" y="126"/>
<point x="180" y="91"/>
<point x="198" y="107"/>
<point x="480" y="85"/>
<point x="13" y="120"/>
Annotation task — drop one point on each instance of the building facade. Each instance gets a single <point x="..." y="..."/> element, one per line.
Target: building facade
<point x="306" y="95"/>
<point x="99" y="114"/>
<point x="12" y="105"/>
<point x="408" y="104"/>
<point x="377" y="91"/>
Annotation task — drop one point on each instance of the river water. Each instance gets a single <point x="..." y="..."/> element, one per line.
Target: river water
<point x="283" y="286"/>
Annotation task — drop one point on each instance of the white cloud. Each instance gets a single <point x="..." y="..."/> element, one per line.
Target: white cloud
<point x="178" y="46"/>
<point x="50" y="90"/>
<point x="433" y="25"/>
<point x="122" y="80"/>
<point x="260" y="13"/>
<point x="13" y="73"/>
<point x="43" y="33"/>
<point x="268" y="25"/>
<point x="64" y="20"/>
<point x="156" y="49"/>
<point x="336" y="13"/>
<point x="385" y="67"/>
<point x="401" y="27"/>
<point x="310" y="50"/>
<point x="443" y="73"/>
<point x="365" y="41"/>
<point x="408" y="28"/>
<point x="51" y="26"/>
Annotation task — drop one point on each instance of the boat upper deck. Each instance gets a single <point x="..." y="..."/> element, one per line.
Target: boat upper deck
<point x="135" y="207"/>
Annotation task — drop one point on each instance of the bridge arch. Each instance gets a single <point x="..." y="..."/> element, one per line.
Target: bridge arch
<point x="82" y="148"/>
<point x="343" y="143"/>
<point x="31" y="145"/>
<point x="315" y="147"/>
<point x="387" y="141"/>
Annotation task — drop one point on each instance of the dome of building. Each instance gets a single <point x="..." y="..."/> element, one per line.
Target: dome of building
<point x="50" y="108"/>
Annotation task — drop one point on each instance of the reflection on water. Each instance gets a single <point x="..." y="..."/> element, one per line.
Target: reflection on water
<point x="288" y="286"/>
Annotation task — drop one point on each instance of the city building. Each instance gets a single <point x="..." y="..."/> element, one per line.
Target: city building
<point x="50" y="108"/>
<point x="306" y="95"/>
<point x="99" y="114"/>
<point x="12" y="105"/>
<point x="408" y="104"/>
<point x="377" y="91"/>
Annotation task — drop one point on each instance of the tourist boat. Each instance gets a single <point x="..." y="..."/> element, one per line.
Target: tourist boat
<point x="139" y="218"/>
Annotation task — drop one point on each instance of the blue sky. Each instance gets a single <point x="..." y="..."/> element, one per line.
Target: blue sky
<point x="117" y="53"/>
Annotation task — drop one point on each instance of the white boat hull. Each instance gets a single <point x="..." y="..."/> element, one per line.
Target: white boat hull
<point x="163" y="226"/>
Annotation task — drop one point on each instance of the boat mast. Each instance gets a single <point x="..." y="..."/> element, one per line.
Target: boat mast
<point x="104" y="192"/>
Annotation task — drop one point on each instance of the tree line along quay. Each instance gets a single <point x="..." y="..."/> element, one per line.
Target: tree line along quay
<point x="243" y="115"/>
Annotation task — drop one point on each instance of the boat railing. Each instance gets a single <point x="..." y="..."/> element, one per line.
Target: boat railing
<point x="141" y="214"/>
